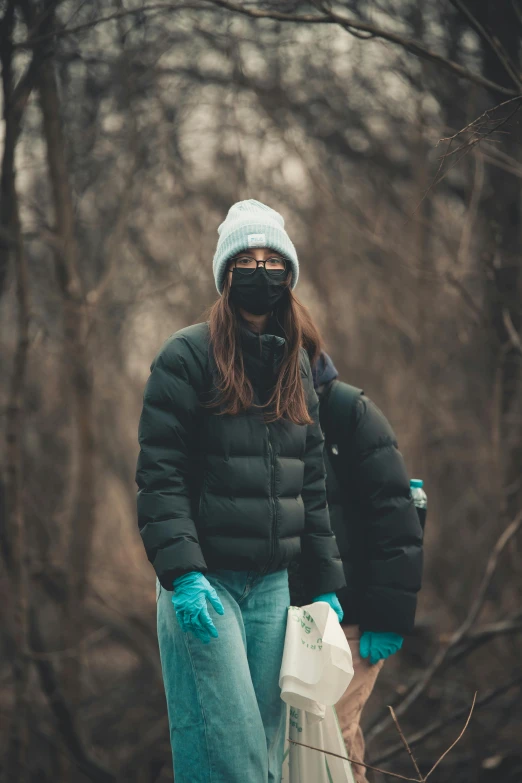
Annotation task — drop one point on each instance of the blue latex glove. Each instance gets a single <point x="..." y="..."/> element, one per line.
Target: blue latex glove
<point x="190" y="596"/>
<point x="333" y="601"/>
<point x="379" y="645"/>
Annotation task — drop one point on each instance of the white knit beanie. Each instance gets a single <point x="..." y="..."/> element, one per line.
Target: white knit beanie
<point x="252" y="224"/>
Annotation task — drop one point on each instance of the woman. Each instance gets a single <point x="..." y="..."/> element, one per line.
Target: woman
<point x="231" y="488"/>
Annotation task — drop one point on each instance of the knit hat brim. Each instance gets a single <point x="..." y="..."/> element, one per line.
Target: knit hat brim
<point x="244" y="235"/>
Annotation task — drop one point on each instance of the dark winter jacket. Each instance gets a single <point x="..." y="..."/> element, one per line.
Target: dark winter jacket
<point x="222" y="491"/>
<point x="372" y="515"/>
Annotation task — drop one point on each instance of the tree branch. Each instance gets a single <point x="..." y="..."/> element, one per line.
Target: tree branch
<point x="421" y="778"/>
<point x="331" y="17"/>
<point x="513" y="335"/>
<point x="493" y="42"/>
<point x="436" y="726"/>
<point x="62" y="32"/>
<point x="62" y="711"/>
<point x="354" y="761"/>
<point x="405" y="742"/>
<point x="352" y="26"/>
<point x="457" y="740"/>
<point x="480" y="132"/>
<point x="14" y="537"/>
<point x="443" y="654"/>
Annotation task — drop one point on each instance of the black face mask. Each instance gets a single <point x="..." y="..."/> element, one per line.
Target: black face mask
<point x="257" y="292"/>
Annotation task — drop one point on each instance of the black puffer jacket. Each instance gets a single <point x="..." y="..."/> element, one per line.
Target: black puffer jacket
<point x="221" y="491"/>
<point x="371" y="511"/>
<point x="372" y="515"/>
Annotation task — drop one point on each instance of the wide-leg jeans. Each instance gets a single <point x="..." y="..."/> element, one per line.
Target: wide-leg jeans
<point x="226" y="716"/>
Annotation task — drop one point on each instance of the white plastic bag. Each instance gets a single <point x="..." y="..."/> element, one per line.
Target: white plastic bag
<point x="316" y="670"/>
<point x="317" y="663"/>
<point x="302" y="765"/>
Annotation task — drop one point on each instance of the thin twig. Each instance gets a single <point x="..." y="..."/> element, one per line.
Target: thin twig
<point x="514" y="336"/>
<point x="480" y="135"/>
<point x="436" y="726"/>
<point x="405" y="743"/>
<point x="353" y="761"/>
<point x="467" y="297"/>
<point x="421" y="778"/>
<point x="485" y="115"/>
<point x="458" y="738"/>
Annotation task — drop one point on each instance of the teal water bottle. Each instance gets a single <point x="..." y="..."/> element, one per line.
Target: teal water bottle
<point x="420" y="499"/>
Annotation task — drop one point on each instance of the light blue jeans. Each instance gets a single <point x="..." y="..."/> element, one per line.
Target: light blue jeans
<point x="226" y="716"/>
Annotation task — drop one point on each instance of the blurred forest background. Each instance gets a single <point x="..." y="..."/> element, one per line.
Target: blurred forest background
<point x="388" y="133"/>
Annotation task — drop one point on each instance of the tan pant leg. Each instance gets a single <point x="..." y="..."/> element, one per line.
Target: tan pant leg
<point x="351" y="705"/>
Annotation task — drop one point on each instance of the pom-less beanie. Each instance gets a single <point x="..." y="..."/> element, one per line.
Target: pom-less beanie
<point x="252" y="224"/>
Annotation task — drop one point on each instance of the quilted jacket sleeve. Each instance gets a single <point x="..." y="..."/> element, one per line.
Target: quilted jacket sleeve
<point x="166" y="435"/>
<point x="321" y="566"/>
<point x="392" y="531"/>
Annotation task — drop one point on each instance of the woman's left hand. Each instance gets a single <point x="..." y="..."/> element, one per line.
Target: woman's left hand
<point x="333" y="601"/>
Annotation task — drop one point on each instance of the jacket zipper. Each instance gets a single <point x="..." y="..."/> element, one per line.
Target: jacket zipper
<point x="273" y="503"/>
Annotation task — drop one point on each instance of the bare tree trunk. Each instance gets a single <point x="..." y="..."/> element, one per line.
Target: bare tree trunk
<point x="502" y="208"/>
<point x="77" y="360"/>
<point x="18" y="565"/>
<point x="14" y="535"/>
<point x="423" y="296"/>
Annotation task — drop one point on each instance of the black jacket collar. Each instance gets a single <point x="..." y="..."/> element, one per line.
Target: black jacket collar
<point x="263" y="346"/>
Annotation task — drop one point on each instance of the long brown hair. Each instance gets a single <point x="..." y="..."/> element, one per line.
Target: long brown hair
<point x="234" y="389"/>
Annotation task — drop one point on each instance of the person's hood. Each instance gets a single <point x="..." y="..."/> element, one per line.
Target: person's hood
<point x="324" y="370"/>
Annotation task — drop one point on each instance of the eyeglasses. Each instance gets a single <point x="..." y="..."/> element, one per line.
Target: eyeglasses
<point x="273" y="264"/>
